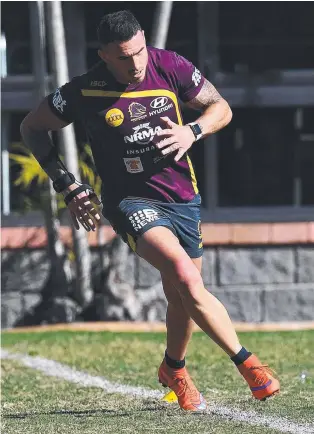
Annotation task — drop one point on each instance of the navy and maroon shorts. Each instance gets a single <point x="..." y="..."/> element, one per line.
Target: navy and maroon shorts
<point x="134" y="216"/>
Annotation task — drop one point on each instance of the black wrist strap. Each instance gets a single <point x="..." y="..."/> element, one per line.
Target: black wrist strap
<point x="83" y="187"/>
<point x="63" y="182"/>
<point x="196" y="129"/>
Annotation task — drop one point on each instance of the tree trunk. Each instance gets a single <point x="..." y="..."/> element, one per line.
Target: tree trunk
<point x="161" y="24"/>
<point x="83" y="292"/>
<point x="61" y="278"/>
<point x="60" y="273"/>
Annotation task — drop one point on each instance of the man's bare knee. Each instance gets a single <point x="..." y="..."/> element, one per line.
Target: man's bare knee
<point x="161" y="248"/>
<point x="187" y="279"/>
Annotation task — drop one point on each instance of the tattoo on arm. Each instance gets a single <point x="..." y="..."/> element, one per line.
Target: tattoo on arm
<point x="207" y="96"/>
<point x="40" y="144"/>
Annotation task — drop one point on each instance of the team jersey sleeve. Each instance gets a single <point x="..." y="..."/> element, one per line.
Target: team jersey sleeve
<point x="189" y="79"/>
<point x="65" y="102"/>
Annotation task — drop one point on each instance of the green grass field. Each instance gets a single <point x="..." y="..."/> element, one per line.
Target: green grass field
<point x="34" y="403"/>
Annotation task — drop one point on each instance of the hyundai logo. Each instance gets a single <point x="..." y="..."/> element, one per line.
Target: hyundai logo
<point x="159" y="102"/>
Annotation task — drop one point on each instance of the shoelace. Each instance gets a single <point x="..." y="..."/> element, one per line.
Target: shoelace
<point x="260" y="377"/>
<point x="192" y="391"/>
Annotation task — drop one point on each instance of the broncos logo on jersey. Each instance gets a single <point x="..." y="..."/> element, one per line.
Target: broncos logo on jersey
<point x="137" y="111"/>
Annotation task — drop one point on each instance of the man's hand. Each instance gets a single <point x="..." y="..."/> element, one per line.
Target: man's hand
<point x="177" y="138"/>
<point x="82" y="210"/>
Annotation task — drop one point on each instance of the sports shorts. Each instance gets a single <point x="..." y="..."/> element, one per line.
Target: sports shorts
<point x="134" y="216"/>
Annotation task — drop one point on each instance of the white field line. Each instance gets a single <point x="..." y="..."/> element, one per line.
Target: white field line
<point x="58" y="370"/>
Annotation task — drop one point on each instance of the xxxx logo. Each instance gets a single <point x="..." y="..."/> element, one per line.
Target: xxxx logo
<point x="114" y="117"/>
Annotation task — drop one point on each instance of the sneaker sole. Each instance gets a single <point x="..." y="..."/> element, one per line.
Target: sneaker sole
<point x="268" y="397"/>
<point x="272" y="395"/>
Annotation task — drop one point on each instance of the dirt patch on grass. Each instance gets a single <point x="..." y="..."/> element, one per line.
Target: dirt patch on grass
<point x="133" y="326"/>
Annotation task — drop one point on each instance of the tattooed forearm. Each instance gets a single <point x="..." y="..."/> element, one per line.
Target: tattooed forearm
<point x="43" y="150"/>
<point x="215" y="117"/>
<point x="35" y="133"/>
<point x="216" y="113"/>
<point x="207" y="96"/>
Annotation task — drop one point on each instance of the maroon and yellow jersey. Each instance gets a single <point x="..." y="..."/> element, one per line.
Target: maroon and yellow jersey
<point x="122" y="122"/>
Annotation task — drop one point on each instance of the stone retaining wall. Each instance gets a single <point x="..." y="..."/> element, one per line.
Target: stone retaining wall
<point x="255" y="283"/>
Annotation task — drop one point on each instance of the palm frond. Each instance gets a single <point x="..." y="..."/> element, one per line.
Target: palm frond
<point x="60" y="202"/>
<point x="97" y="186"/>
<point x="19" y="146"/>
<point x="30" y="170"/>
<point x="88" y="150"/>
<point x="71" y="255"/>
<point x="87" y="172"/>
<point x="88" y="169"/>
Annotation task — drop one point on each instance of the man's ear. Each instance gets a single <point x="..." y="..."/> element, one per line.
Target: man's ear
<point x="102" y="55"/>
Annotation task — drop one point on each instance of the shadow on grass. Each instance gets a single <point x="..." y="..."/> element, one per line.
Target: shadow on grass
<point x="76" y="413"/>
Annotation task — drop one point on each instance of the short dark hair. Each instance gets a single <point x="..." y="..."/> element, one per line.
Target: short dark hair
<point x="119" y="26"/>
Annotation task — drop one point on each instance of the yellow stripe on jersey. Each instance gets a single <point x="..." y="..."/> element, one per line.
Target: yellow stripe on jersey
<point x="193" y="177"/>
<point x="139" y="94"/>
<point x="131" y="242"/>
<point x="143" y="94"/>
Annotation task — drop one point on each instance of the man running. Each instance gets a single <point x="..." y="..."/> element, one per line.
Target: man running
<point x="129" y="104"/>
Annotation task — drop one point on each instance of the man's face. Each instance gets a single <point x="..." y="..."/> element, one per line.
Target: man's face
<point x="127" y="60"/>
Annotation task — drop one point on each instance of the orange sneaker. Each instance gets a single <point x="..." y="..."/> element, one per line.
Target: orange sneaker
<point x="259" y="377"/>
<point x="178" y="380"/>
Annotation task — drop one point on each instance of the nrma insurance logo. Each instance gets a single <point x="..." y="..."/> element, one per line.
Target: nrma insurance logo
<point x="143" y="134"/>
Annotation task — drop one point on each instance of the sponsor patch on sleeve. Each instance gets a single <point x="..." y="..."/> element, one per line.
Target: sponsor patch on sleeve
<point x="58" y="102"/>
<point x="196" y="77"/>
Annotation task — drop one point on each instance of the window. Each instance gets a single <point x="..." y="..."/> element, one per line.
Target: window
<point x="15" y="23"/>
<point x="266" y="158"/>
<point x="259" y="36"/>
